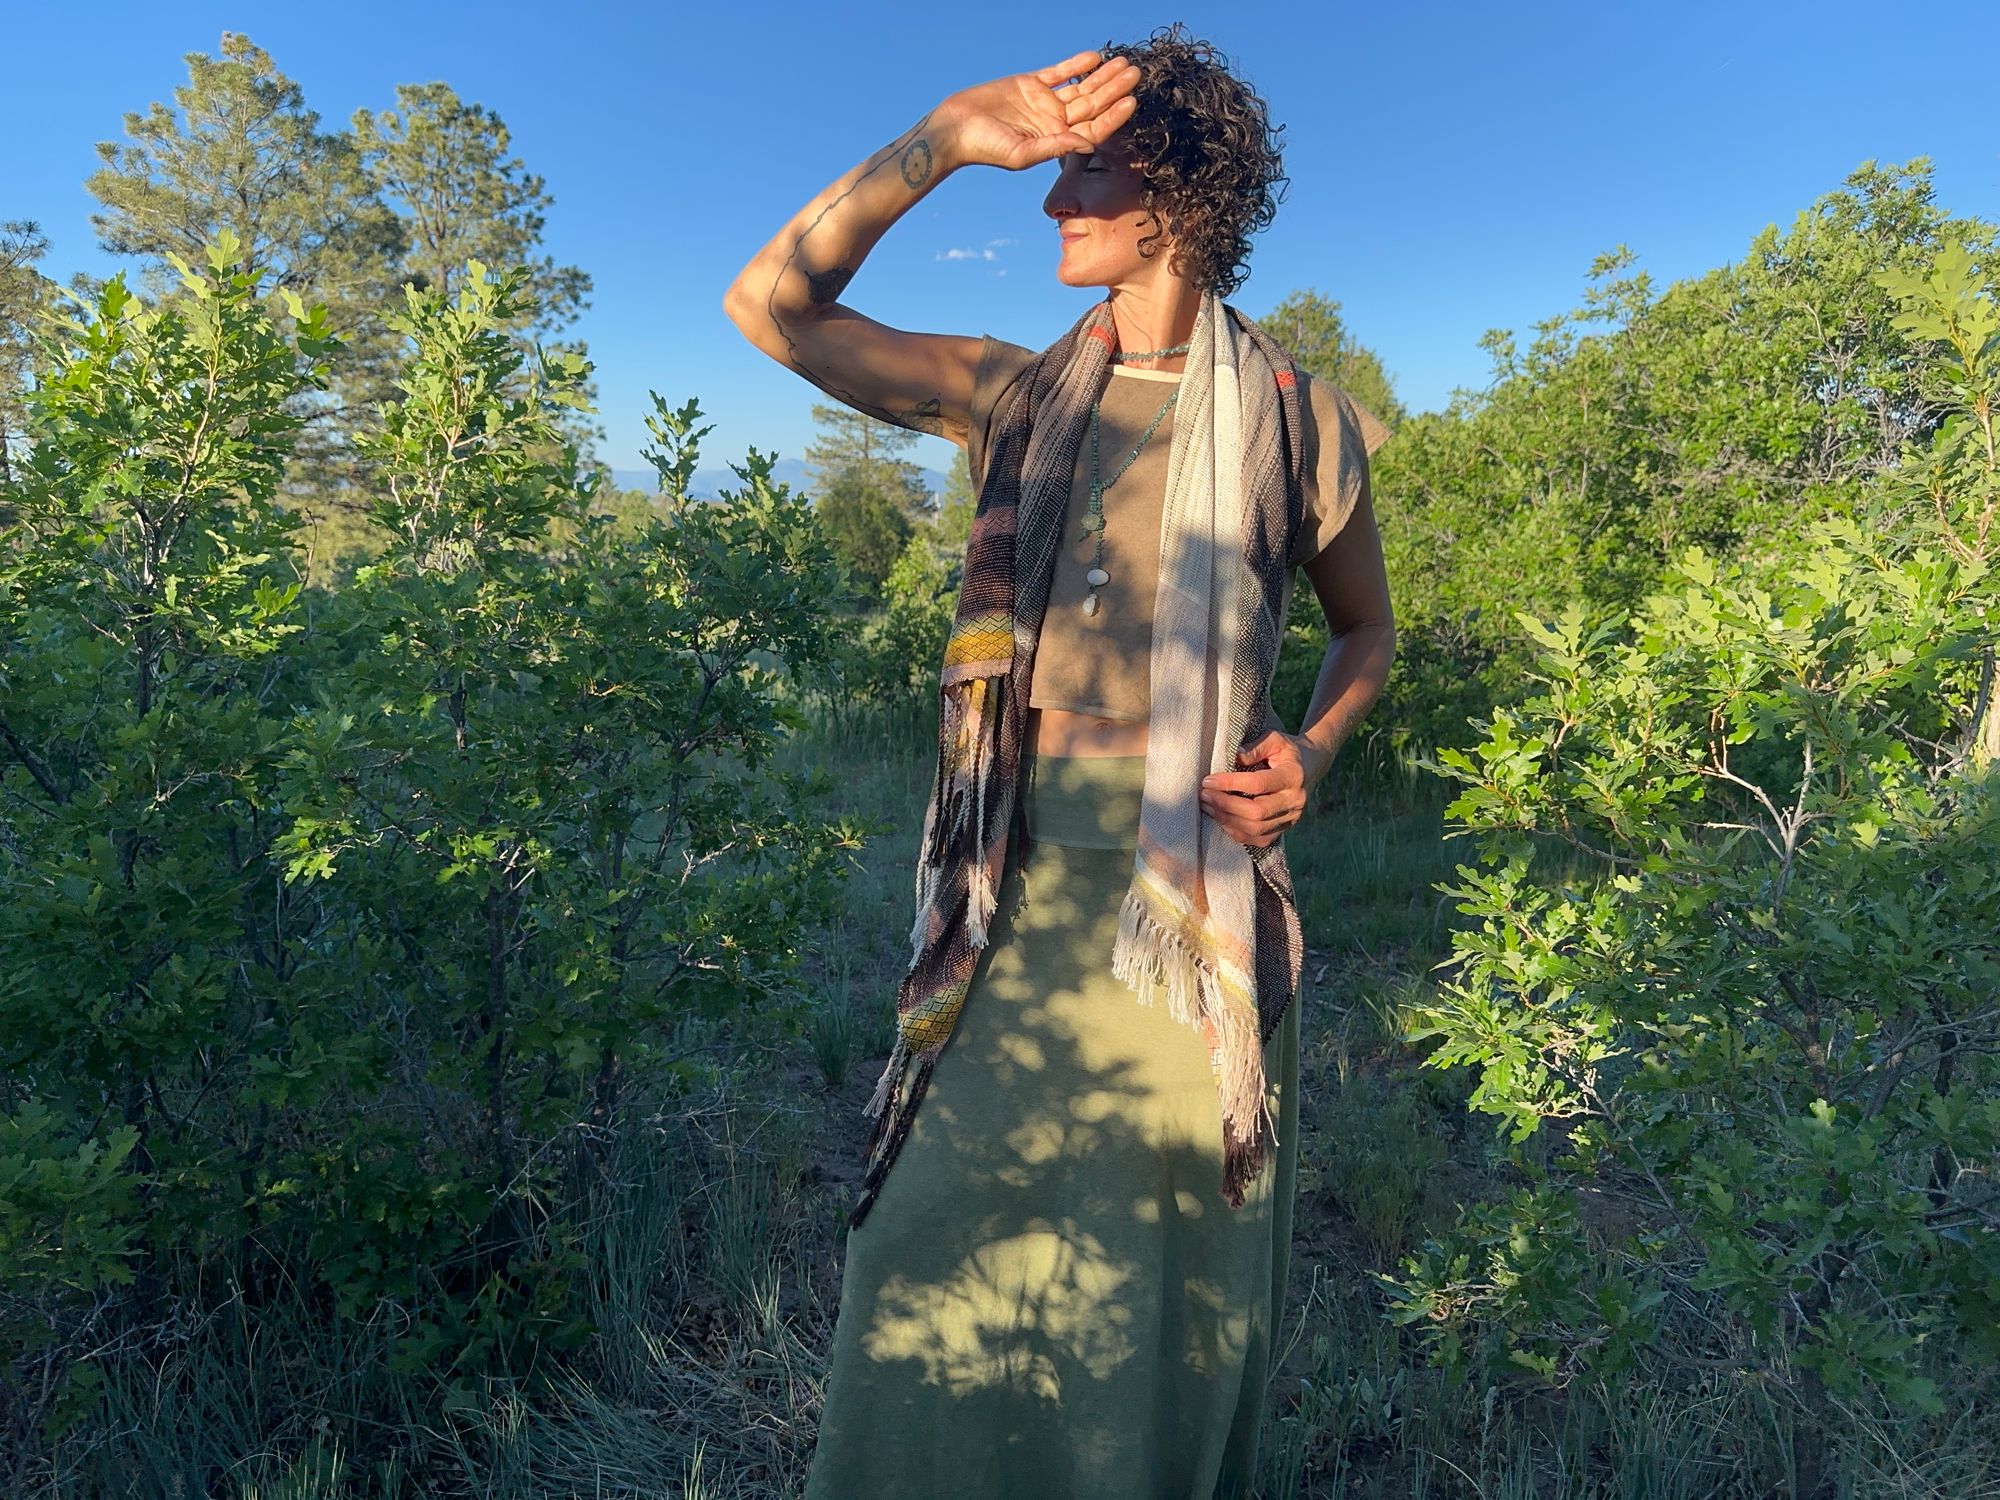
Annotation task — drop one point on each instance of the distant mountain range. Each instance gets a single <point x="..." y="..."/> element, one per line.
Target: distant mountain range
<point x="708" y="483"/>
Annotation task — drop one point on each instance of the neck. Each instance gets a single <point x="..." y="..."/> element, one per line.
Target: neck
<point x="1156" y="316"/>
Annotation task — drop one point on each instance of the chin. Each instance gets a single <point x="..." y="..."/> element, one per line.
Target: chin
<point x="1070" y="275"/>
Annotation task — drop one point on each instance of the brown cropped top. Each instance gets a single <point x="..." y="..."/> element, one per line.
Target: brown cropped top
<point x="1101" y="664"/>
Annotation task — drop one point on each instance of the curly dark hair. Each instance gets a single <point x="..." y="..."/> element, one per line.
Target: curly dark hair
<point x="1204" y="142"/>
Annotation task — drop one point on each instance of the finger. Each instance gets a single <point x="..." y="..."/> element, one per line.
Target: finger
<point x="1233" y="828"/>
<point x="1243" y="834"/>
<point x="1276" y="819"/>
<point x="1113" y="70"/>
<point x="1100" y="129"/>
<point x="1246" y="783"/>
<point x="1260" y="815"/>
<point x="1078" y="88"/>
<point x="1271" y="744"/>
<point x="1043" y="148"/>
<point x="1100" y="91"/>
<point x="1068" y="68"/>
<point x="1258" y="838"/>
<point x="1082" y="112"/>
<point x="1115" y="76"/>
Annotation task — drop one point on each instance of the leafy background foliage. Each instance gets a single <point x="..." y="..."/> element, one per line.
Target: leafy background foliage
<point x="1761" y="1001"/>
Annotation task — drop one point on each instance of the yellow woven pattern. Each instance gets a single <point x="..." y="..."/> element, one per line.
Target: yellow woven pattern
<point x="981" y="638"/>
<point x="930" y="1023"/>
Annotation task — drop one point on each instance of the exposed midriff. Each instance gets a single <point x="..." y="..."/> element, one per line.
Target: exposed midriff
<point x="1057" y="731"/>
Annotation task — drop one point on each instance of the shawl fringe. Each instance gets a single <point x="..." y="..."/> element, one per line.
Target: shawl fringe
<point x="892" y="1127"/>
<point x="1150" y="957"/>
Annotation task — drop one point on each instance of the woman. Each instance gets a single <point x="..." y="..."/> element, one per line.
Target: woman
<point x="1068" y="1285"/>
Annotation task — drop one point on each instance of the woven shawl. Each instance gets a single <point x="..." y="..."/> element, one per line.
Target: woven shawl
<point x="1208" y="922"/>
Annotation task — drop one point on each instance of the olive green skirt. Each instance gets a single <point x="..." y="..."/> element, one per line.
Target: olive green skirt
<point x="1050" y="1298"/>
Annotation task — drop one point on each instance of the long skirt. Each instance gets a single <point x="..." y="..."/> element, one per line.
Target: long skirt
<point x="1050" y="1298"/>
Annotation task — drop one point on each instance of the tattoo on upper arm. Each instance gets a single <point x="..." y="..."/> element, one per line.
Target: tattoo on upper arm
<point x="913" y="155"/>
<point x="925" y="416"/>
<point x="823" y="287"/>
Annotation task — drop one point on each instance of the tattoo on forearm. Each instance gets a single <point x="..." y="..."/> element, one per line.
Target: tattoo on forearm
<point x="925" y="416"/>
<point x="823" y="287"/>
<point x="913" y="152"/>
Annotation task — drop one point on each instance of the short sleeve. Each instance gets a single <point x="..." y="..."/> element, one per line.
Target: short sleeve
<point x="1339" y="438"/>
<point x="1001" y="364"/>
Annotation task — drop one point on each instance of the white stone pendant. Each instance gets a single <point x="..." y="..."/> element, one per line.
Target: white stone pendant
<point x="1090" y="602"/>
<point x="1097" y="578"/>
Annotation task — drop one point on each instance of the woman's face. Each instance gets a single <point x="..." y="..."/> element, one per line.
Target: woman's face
<point x="1098" y="205"/>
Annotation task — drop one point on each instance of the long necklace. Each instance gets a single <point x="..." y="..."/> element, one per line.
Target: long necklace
<point x="1097" y="577"/>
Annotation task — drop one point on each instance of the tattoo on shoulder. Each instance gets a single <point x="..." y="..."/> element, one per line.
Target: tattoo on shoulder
<point x="925" y="416"/>
<point x="916" y="163"/>
<point x="823" y="287"/>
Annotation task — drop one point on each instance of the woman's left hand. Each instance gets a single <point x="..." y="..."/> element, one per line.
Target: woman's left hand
<point x="1255" y="806"/>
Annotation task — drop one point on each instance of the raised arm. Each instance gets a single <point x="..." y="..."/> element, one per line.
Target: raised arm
<point x="787" y="299"/>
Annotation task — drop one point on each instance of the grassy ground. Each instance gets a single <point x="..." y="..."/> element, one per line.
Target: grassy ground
<point x="715" y="1232"/>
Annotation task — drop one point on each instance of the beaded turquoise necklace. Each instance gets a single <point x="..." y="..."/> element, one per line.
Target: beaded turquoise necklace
<point x="1093" y="522"/>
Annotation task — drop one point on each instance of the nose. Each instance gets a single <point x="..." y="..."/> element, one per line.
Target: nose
<point x="1061" y="200"/>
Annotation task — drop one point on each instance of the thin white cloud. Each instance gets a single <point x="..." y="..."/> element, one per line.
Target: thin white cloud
<point x="957" y="252"/>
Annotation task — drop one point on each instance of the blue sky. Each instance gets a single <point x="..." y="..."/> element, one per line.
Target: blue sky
<point x="1455" y="166"/>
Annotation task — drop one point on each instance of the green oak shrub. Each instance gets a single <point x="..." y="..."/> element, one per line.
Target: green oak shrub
<point x="1724" y="411"/>
<point x="340" y="933"/>
<point x="891" y="661"/>
<point x="1732" y="965"/>
<point x="166" y="1013"/>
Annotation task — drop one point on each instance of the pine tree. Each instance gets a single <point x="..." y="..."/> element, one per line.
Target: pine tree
<point x="240" y="151"/>
<point x="865" y="527"/>
<point x="24" y="296"/>
<point x="1313" y="332"/>
<point x="857" y="451"/>
<point x="442" y="165"/>
<point x="347" y="219"/>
